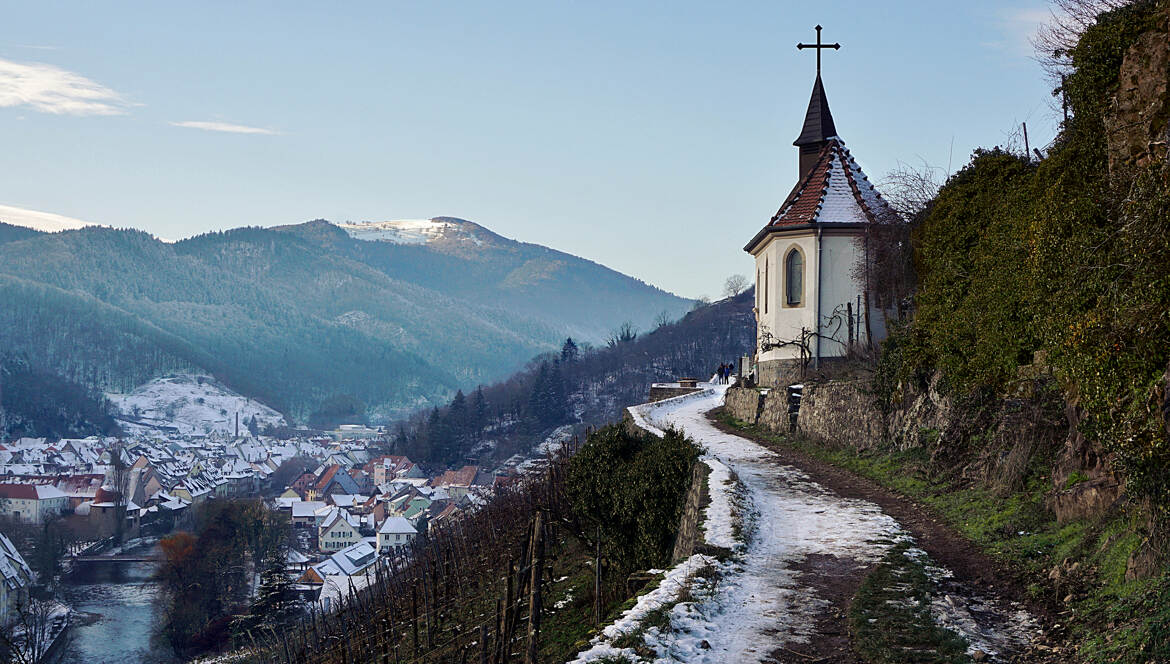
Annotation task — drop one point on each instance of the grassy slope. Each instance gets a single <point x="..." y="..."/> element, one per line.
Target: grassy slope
<point x="1107" y="618"/>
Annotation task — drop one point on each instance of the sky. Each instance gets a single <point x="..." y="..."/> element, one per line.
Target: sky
<point x="652" y="137"/>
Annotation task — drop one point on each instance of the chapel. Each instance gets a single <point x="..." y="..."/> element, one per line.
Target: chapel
<point x="813" y="301"/>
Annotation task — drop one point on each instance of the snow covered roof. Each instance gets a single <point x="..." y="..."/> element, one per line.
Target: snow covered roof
<point x="835" y="192"/>
<point x="13" y="568"/>
<point x="397" y="525"/>
<point x="306" y="508"/>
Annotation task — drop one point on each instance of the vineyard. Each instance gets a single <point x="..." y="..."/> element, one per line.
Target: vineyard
<point x="519" y="580"/>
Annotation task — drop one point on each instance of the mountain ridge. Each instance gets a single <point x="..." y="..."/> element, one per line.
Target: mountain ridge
<point x="295" y="315"/>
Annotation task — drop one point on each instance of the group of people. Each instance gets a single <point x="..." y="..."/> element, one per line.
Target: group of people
<point x="724" y="373"/>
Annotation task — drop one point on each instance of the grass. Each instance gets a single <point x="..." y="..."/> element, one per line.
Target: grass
<point x="1108" y="619"/>
<point x="890" y="620"/>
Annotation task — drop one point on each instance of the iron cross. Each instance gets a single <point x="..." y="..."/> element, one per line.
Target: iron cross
<point x="818" y="46"/>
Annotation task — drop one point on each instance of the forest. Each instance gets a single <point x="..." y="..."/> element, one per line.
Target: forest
<point x="579" y="386"/>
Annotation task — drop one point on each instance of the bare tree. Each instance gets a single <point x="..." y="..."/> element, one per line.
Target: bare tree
<point x="735" y="284"/>
<point x="662" y="319"/>
<point x="885" y="264"/>
<point x="32" y="625"/>
<point x="624" y="333"/>
<point x="1055" y="40"/>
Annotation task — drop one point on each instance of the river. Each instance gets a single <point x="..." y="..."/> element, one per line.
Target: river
<point x="121" y="597"/>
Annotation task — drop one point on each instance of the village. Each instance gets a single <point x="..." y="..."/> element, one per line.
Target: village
<point x="346" y="506"/>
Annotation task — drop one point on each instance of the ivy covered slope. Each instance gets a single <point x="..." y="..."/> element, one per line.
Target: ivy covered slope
<point x="297" y="316"/>
<point x="1066" y="260"/>
<point x="1047" y="282"/>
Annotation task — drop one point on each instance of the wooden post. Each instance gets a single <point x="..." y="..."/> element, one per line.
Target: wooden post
<point x="849" y="321"/>
<point x="534" y="588"/>
<point x="505" y="627"/>
<point x="597" y="579"/>
<point x="414" y="616"/>
<point x="483" y="644"/>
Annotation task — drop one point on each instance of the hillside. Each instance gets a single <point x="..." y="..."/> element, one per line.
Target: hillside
<point x="461" y="259"/>
<point x="577" y="387"/>
<point x="294" y="316"/>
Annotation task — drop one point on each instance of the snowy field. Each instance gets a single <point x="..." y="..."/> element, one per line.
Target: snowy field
<point x="191" y="405"/>
<point x="772" y="517"/>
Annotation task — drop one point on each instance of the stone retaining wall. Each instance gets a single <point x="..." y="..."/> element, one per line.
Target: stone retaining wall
<point x="841" y="414"/>
<point x="689" y="533"/>
<point x="837" y="413"/>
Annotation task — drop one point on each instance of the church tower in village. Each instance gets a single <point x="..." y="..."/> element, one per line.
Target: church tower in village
<point x="812" y="299"/>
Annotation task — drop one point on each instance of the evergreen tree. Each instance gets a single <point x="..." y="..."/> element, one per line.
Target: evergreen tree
<point x="569" y="351"/>
<point x="276" y="605"/>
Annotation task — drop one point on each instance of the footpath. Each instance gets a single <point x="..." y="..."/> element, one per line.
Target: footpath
<point x="798" y="550"/>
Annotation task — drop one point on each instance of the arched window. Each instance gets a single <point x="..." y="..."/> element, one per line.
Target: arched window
<point x="793" y="278"/>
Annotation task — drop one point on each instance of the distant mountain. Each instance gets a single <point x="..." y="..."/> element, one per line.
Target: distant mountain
<point x="461" y="259"/>
<point x="298" y="315"/>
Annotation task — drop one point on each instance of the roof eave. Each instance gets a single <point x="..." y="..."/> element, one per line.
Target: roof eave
<point x="772" y="230"/>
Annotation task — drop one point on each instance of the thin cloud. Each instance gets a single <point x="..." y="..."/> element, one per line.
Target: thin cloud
<point x="50" y="89"/>
<point x="228" y="127"/>
<point x="42" y="221"/>
<point x="1019" y="27"/>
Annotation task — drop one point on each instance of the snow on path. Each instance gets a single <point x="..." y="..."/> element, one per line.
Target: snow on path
<point x="759" y="604"/>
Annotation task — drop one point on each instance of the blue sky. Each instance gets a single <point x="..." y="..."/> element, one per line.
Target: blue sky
<point x="653" y="137"/>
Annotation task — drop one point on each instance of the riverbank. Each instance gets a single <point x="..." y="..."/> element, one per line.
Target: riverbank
<point x="116" y="604"/>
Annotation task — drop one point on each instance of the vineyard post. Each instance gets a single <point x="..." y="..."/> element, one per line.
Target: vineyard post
<point x="597" y="578"/>
<point x="534" y="588"/>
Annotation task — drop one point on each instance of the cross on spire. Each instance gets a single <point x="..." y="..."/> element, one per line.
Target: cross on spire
<point x="818" y="46"/>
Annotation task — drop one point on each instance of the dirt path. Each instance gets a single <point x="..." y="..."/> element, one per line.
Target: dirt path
<point x="810" y="533"/>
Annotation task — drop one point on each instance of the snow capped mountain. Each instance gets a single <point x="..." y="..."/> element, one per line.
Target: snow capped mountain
<point x="410" y="231"/>
<point x="192" y="405"/>
<point x="46" y="222"/>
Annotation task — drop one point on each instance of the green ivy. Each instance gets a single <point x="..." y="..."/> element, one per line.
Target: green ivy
<point x="1059" y="256"/>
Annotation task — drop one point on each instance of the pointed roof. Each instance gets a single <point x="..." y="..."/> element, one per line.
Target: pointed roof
<point x="835" y="192"/>
<point x="818" y="120"/>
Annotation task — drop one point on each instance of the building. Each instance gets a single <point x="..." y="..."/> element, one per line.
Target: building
<point x="32" y="503"/>
<point x="337" y="531"/>
<point x="811" y="303"/>
<point x="17" y="577"/>
<point x="396" y="532"/>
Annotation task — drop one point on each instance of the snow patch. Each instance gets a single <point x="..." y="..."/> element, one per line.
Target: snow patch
<point x="403" y="231"/>
<point x="190" y="405"/>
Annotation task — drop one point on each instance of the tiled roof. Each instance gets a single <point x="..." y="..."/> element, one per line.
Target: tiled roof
<point x="835" y="191"/>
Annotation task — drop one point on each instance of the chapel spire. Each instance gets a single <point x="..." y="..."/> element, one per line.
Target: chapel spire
<point x="818" y="120"/>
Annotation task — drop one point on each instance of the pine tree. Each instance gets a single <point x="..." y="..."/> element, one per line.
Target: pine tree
<point x="276" y="606"/>
<point x="569" y="351"/>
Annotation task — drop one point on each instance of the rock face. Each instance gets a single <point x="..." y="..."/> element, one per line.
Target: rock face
<point x="1084" y="482"/>
<point x="1138" y="126"/>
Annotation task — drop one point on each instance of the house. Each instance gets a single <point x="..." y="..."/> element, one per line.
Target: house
<point x="17" y="578"/>
<point x="333" y="479"/>
<point x="337" y="531"/>
<point x="353" y="560"/>
<point x="304" y="513"/>
<point x="811" y="303"/>
<point x="459" y="482"/>
<point x="395" y="533"/>
<point x="32" y="503"/>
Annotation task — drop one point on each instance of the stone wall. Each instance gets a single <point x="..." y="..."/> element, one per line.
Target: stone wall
<point x="841" y="414"/>
<point x="744" y="403"/>
<point x="689" y="533"/>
